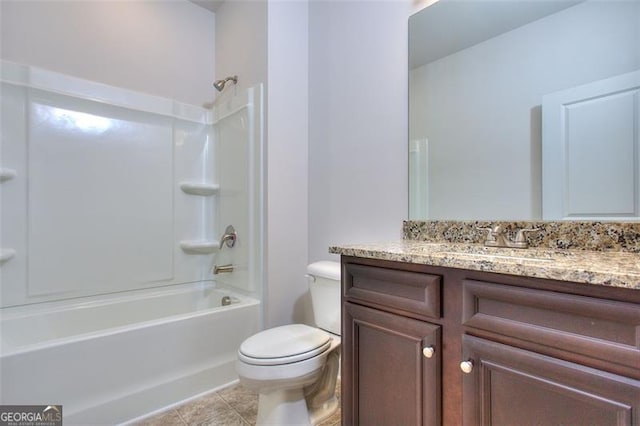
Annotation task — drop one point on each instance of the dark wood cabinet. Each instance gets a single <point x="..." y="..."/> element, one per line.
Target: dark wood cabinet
<point x="538" y="352"/>
<point x="510" y="386"/>
<point x="395" y="369"/>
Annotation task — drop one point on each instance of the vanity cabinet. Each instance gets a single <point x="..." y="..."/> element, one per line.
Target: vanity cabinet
<point x="500" y="349"/>
<point x="392" y="354"/>
<point x="510" y="386"/>
<point x="393" y="359"/>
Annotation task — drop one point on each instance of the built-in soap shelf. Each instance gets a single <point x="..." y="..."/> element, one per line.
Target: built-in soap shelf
<point x="6" y="174"/>
<point x="6" y="254"/>
<point x="199" y="247"/>
<point x="197" y="188"/>
<point x="202" y="189"/>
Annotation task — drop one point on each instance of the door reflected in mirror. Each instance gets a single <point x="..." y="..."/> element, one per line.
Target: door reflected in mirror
<point x="525" y="110"/>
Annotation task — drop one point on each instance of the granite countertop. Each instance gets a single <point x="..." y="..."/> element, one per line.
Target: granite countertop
<point x="608" y="268"/>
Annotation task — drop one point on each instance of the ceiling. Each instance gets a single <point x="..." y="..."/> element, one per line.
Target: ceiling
<point x="211" y="5"/>
<point x="449" y="26"/>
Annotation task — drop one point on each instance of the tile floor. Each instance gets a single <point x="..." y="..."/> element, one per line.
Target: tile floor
<point x="232" y="406"/>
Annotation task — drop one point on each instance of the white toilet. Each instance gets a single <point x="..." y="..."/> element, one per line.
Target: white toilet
<point x="294" y="368"/>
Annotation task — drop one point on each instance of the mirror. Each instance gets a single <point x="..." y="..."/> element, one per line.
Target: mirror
<point x="524" y="110"/>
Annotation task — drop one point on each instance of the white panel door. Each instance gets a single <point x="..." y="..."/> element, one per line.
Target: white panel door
<point x="590" y="150"/>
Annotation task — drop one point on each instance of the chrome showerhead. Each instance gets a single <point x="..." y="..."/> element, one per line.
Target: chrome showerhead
<point x="219" y="84"/>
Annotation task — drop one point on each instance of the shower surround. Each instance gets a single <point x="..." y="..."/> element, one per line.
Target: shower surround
<point x="113" y="203"/>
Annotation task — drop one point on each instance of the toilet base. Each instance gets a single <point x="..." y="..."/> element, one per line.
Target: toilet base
<point x="321" y="395"/>
<point x="288" y="407"/>
<point x="283" y="407"/>
<point x="322" y="413"/>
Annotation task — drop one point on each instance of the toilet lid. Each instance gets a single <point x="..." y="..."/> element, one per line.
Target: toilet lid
<point x="282" y="345"/>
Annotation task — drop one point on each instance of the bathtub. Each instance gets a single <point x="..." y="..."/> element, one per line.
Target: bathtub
<point x="115" y="358"/>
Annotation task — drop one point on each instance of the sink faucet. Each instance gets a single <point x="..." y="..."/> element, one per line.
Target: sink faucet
<point x="497" y="237"/>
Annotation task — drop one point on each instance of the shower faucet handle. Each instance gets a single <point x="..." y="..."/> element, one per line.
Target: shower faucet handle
<point x="229" y="238"/>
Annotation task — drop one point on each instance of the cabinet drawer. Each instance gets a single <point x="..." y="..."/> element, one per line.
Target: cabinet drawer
<point x="597" y="328"/>
<point x="406" y="291"/>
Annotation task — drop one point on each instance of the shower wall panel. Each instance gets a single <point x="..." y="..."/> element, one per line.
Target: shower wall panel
<point x="100" y="203"/>
<point x="95" y="205"/>
<point x="237" y="127"/>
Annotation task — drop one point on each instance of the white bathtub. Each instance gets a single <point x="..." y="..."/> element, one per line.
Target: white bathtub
<point x="112" y="359"/>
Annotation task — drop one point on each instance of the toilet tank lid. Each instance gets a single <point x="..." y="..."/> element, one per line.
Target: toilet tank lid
<point x="325" y="269"/>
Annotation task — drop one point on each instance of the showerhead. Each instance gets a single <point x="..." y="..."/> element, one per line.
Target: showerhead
<point x="219" y="84"/>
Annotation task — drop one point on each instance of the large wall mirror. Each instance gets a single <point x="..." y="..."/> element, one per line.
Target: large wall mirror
<point x="525" y="110"/>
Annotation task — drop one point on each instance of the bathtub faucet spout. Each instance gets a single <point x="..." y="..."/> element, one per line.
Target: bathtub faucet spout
<point x="222" y="269"/>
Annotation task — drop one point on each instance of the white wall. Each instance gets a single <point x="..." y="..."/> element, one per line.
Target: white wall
<point x="481" y="106"/>
<point x="241" y="42"/>
<point x="357" y="122"/>
<point x="342" y="178"/>
<point x="163" y="48"/>
<point x="288" y="101"/>
<point x="267" y="42"/>
<point x="355" y="170"/>
<point x="241" y="49"/>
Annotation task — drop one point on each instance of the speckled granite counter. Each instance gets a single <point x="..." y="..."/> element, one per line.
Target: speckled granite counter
<point x="569" y="235"/>
<point x="616" y="269"/>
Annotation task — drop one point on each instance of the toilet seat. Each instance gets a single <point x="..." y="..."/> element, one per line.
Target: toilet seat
<point x="284" y="345"/>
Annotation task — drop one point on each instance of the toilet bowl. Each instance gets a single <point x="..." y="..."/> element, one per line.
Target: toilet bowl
<point x="294" y="368"/>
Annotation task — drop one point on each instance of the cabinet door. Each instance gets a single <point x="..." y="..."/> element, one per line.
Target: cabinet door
<point x="510" y="386"/>
<point x="390" y="376"/>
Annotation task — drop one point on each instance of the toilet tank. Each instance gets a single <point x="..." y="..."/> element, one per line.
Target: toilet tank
<point x="324" y="284"/>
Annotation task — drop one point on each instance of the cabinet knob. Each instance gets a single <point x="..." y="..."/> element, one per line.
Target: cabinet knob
<point x="466" y="366"/>
<point x="428" y="351"/>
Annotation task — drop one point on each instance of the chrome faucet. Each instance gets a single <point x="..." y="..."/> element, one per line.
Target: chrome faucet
<point x="229" y="238"/>
<point x="222" y="269"/>
<point x="497" y="237"/>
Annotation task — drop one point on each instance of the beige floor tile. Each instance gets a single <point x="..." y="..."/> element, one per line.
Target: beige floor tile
<point x="233" y="406"/>
<point x="243" y="401"/>
<point x="237" y="391"/>
<point x="248" y="411"/>
<point x="224" y="418"/>
<point x="204" y="410"/>
<point x="170" y="418"/>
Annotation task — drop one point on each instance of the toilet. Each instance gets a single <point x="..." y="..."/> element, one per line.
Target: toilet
<point x="294" y="368"/>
